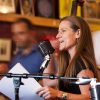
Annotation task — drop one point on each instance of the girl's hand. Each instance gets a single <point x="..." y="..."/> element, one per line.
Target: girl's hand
<point x="48" y="93"/>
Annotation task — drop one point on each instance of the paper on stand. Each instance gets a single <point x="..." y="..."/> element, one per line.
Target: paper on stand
<point x="26" y="91"/>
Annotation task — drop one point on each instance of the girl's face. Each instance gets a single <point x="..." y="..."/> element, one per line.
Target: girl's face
<point x="66" y="36"/>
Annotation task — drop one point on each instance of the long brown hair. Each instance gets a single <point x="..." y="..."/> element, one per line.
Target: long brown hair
<point x="84" y="47"/>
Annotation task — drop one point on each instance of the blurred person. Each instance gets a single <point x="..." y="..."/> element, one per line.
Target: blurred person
<point x="27" y="53"/>
<point x="3" y="69"/>
<point x="76" y="59"/>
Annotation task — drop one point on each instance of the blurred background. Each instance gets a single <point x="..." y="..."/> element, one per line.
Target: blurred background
<point x="45" y="16"/>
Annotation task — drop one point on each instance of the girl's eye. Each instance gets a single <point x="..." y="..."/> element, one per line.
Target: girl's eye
<point x="61" y="31"/>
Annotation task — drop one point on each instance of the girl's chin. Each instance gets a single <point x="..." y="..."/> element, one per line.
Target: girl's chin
<point x="61" y="48"/>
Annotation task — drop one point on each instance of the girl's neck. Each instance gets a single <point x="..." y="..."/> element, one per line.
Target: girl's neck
<point x="72" y="52"/>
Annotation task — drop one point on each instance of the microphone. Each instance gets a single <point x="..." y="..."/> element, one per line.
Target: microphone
<point x="46" y="49"/>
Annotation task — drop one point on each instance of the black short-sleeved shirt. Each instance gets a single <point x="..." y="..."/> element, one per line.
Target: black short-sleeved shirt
<point x="73" y="88"/>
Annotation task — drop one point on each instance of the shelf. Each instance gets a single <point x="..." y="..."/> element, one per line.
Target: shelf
<point x="39" y="21"/>
<point x="47" y="22"/>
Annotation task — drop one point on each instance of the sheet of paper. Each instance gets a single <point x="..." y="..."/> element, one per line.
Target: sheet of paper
<point x="26" y="91"/>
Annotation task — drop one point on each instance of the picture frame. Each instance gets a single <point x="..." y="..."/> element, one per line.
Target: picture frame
<point x="46" y="8"/>
<point x="93" y="9"/>
<point x="7" y="6"/>
<point x="27" y="7"/>
<point x="5" y="49"/>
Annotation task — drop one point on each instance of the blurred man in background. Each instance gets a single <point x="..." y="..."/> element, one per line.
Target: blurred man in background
<point x="26" y="52"/>
<point x="3" y="69"/>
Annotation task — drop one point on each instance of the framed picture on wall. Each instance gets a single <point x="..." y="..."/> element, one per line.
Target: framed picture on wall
<point x="93" y="9"/>
<point x="7" y="6"/>
<point x="27" y="7"/>
<point x="5" y="49"/>
<point x="46" y="8"/>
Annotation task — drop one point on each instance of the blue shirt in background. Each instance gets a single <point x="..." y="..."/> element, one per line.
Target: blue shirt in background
<point x="31" y="62"/>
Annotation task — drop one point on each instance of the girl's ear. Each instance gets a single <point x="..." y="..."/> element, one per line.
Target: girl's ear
<point x="78" y="33"/>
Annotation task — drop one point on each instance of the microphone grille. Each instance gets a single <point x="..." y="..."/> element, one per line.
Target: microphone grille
<point x="46" y="47"/>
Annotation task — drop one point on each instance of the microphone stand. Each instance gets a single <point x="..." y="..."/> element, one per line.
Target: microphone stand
<point x="17" y="81"/>
<point x="45" y="63"/>
<point x="84" y="80"/>
<point x="95" y="90"/>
